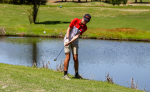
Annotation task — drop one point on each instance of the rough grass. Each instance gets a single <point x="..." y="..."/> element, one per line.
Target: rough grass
<point x="28" y="79"/>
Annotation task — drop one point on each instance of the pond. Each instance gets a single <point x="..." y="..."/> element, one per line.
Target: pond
<point x="123" y="60"/>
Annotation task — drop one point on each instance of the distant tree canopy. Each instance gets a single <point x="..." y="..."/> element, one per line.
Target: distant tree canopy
<point x="20" y="1"/>
<point x="118" y="2"/>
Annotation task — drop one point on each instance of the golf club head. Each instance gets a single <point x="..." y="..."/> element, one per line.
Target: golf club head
<point x="58" y="54"/>
<point x="55" y="59"/>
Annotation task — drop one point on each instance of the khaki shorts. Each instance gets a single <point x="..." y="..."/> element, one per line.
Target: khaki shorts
<point x="71" y="47"/>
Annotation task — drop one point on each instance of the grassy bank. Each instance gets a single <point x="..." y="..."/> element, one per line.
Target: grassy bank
<point x="20" y="78"/>
<point x="108" y="22"/>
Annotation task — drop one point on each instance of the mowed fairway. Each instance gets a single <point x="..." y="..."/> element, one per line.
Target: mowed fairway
<point x="51" y="17"/>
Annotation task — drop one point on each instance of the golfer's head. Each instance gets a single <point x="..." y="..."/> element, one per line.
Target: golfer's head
<point x="86" y="18"/>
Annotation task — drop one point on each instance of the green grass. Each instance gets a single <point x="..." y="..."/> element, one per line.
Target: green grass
<point x="28" y="79"/>
<point x="50" y="17"/>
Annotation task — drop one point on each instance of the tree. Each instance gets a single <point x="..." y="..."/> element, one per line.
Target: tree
<point x="118" y="2"/>
<point x="34" y="11"/>
<point x="36" y="5"/>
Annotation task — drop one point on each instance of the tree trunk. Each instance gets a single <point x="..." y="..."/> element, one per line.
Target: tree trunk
<point x="135" y="1"/>
<point x="78" y="0"/>
<point x="140" y="1"/>
<point x="22" y="1"/>
<point x="34" y="52"/>
<point x="35" y="11"/>
<point x="14" y="1"/>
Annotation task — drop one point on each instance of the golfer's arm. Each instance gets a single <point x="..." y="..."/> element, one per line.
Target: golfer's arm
<point x="74" y="38"/>
<point x="68" y="31"/>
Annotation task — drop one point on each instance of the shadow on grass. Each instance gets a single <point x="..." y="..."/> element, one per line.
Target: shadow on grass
<point x="71" y="1"/>
<point x="138" y="3"/>
<point x="52" y="22"/>
<point x="80" y="79"/>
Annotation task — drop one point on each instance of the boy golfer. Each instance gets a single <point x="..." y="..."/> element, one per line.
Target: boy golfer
<point x="76" y="28"/>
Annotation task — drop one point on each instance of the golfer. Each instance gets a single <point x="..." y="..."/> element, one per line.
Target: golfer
<point x="76" y="28"/>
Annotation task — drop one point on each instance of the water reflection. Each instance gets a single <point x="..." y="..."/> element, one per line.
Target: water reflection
<point x="122" y="59"/>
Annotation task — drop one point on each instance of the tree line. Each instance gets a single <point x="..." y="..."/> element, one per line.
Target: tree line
<point x="118" y="2"/>
<point x="114" y="2"/>
<point x="22" y="1"/>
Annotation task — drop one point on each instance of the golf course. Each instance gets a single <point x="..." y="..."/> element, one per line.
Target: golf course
<point x="107" y="22"/>
<point x="128" y="22"/>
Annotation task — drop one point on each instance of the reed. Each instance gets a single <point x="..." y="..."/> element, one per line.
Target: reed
<point x="109" y="79"/>
<point x="60" y="67"/>
<point x="2" y="30"/>
<point x="133" y="85"/>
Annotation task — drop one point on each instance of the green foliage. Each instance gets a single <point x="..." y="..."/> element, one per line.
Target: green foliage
<point x="118" y="2"/>
<point x="34" y="11"/>
<point x="21" y="1"/>
<point x="30" y="16"/>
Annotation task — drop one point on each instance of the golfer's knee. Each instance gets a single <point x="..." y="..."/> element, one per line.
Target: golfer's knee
<point x="67" y="58"/>
<point x="75" y="59"/>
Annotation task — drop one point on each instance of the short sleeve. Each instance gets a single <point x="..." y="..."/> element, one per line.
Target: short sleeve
<point x="73" y="23"/>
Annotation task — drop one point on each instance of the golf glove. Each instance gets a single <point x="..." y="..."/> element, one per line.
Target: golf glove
<point x="67" y="40"/>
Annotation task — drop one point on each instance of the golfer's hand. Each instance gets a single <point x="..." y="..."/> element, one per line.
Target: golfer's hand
<point x="66" y="44"/>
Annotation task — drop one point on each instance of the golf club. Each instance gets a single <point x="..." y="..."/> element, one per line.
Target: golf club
<point x="58" y="54"/>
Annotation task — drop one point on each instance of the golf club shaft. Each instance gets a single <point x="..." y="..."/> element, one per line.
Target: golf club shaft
<point x="60" y="52"/>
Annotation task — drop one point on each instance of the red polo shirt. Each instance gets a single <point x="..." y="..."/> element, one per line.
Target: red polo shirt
<point x="76" y="24"/>
<point x="77" y="28"/>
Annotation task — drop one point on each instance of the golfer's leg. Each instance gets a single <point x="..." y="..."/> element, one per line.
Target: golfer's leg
<point x="67" y="58"/>
<point x="75" y="56"/>
<point x="66" y="61"/>
<point x="76" y="64"/>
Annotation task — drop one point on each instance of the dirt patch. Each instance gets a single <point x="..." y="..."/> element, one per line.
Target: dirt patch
<point x="21" y="34"/>
<point x="124" y="29"/>
<point x="53" y="1"/>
